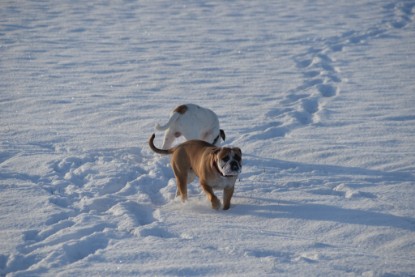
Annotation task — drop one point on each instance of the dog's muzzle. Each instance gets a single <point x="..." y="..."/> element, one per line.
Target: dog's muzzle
<point x="231" y="168"/>
<point x="235" y="166"/>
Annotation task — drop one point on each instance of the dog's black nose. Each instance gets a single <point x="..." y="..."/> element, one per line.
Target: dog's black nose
<point x="234" y="166"/>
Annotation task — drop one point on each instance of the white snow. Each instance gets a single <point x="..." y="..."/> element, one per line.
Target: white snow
<point x="319" y="95"/>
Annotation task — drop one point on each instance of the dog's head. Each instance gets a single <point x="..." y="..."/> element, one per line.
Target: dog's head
<point x="229" y="161"/>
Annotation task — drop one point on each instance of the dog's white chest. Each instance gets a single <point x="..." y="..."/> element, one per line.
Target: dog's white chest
<point x="223" y="182"/>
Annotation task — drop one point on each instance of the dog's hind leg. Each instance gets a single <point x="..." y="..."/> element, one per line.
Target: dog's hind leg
<point x="168" y="140"/>
<point x="181" y="188"/>
<point x="181" y="182"/>
<point x="190" y="177"/>
<point x="210" y="195"/>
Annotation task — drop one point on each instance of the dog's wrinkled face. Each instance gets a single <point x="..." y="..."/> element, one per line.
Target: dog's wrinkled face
<point x="229" y="161"/>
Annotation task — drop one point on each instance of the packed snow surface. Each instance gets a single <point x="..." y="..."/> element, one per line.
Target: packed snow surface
<point x="319" y="95"/>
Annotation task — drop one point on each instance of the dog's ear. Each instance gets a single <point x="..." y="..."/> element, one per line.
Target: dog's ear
<point x="222" y="134"/>
<point x="238" y="151"/>
<point x="214" y="156"/>
<point x="216" y="150"/>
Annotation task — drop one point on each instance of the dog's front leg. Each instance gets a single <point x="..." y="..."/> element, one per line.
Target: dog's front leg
<point x="227" y="195"/>
<point x="211" y="196"/>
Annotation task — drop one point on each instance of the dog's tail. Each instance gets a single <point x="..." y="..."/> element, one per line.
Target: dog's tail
<point x="157" y="150"/>
<point x="172" y="118"/>
<point x="222" y="134"/>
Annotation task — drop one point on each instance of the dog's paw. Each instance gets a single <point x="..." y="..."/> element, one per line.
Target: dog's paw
<point x="183" y="198"/>
<point x="216" y="204"/>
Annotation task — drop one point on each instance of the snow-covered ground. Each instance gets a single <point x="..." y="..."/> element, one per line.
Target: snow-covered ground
<point x="319" y="95"/>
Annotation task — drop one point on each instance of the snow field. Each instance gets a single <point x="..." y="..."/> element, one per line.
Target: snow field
<point x="319" y="96"/>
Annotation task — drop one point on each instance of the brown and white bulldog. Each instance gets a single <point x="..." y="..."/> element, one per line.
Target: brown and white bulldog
<point x="216" y="167"/>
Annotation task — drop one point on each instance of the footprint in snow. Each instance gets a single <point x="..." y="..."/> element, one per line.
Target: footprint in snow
<point x="327" y="90"/>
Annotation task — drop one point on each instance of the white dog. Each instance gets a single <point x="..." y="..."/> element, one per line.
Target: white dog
<point x="192" y="122"/>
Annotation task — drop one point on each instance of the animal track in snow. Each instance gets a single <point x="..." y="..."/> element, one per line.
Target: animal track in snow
<point x="322" y="75"/>
<point x="401" y="13"/>
<point x="87" y="245"/>
<point x="327" y="90"/>
<point x="303" y="103"/>
<point x="310" y="105"/>
<point x="307" y="257"/>
<point x="349" y="192"/>
<point x="95" y="194"/>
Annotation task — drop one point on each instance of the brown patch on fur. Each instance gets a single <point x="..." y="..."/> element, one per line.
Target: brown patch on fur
<point x="181" y="109"/>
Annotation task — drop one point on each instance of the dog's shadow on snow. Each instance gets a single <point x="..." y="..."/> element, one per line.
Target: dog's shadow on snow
<point x="269" y="208"/>
<point x="319" y="212"/>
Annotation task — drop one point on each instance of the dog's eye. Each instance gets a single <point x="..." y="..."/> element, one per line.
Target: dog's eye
<point x="238" y="158"/>
<point x="225" y="159"/>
